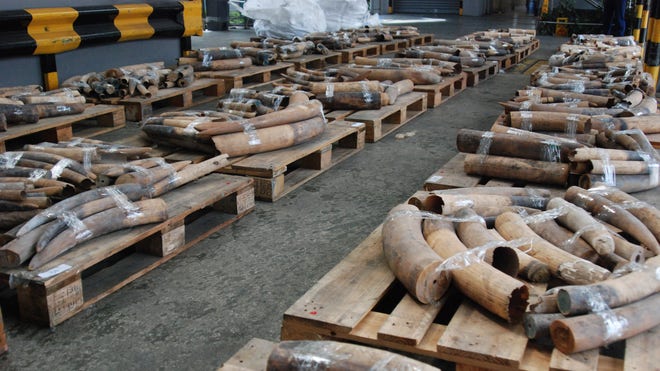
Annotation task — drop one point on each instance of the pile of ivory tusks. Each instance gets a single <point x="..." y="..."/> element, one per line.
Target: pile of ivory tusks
<point x="39" y="175"/>
<point x="488" y="241"/>
<point x="213" y="132"/>
<point x="143" y="80"/>
<point x="574" y="126"/>
<point x="28" y="104"/>
<point x="79" y="218"/>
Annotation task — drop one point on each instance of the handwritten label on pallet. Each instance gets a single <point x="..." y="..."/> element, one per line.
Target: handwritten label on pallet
<point x="65" y="301"/>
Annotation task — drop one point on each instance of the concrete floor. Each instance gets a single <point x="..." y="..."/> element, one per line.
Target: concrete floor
<point x="198" y="309"/>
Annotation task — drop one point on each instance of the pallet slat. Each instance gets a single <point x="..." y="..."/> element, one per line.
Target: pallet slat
<point x="252" y="357"/>
<point x="137" y="109"/>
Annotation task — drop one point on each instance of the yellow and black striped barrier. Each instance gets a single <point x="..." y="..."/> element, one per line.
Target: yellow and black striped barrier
<point x="55" y="30"/>
<point x="652" y="50"/>
<point x="639" y="10"/>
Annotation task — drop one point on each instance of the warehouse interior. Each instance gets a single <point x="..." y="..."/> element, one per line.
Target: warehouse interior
<point x="198" y="309"/>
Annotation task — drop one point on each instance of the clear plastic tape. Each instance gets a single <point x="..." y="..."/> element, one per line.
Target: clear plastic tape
<point x="330" y="90"/>
<point x="190" y="129"/>
<point x="477" y="254"/>
<point x="69" y="93"/>
<point x="79" y="229"/>
<point x="173" y="175"/>
<point x="37" y="174"/>
<point x="654" y="174"/>
<point x="251" y="132"/>
<point x="365" y="92"/>
<point x="140" y="170"/>
<point x="571" y="241"/>
<point x="8" y="160"/>
<point x="525" y="105"/>
<point x="526" y="118"/>
<point x="278" y="102"/>
<point x="577" y="86"/>
<point x="121" y="200"/>
<point x="545" y="216"/>
<point x="384" y="62"/>
<point x="325" y="120"/>
<point x="572" y="122"/>
<point x="614" y="325"/>
<point x="633" y="267"/>
<point x="609" y="172"/>
<point x="88" y="155"/>
<point x="551" y="150"/>
<point x="59" y="167"/>
<point x="485" y="142"/>
<point x="433" y="216"/>
<point x="75" y="142"/>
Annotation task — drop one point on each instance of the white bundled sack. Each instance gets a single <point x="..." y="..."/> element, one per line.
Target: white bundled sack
<point x="344" y="14"/>
<point x="285" y="19"/>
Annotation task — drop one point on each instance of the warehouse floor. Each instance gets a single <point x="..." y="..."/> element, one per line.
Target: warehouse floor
<point x="198" y="309"/>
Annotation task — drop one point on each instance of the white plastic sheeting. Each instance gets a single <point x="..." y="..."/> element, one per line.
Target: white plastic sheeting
<point x="289" y="18"/>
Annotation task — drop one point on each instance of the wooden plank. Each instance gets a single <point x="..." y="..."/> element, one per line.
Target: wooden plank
<point x="51" y="298"/>
<point x="451" y="175"/>
<point x="138" y="108"/>
<point x="583" y="361"/>
<point x="366" y="50"/>
<point x="346" y="294"/>
<point x="316" y="61"/>
<point x="409" y="321"/>
<point x="60" y="128"/>
<point x="245" y="76"/>
<point x="642" y="351"/>
<point x="476" y="334"/>
<point x="252" y="357"/>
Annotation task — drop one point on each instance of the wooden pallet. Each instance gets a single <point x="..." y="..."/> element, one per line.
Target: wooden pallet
<point x="96" y="119"/>
<point x="244" y="77"/>
<point x="504" y="61"/>
<point x="138" y="109"/>
<point x="361" y="301"/>
<point x="385" y="120"/>
<point x="477" y="74"/>
<point x="252" y="357"/>
<point x="439" y="93"/>
<point x="392" y="46"/>
<point x="316" y="61"/>
<point x="277" y="173"/>
<point x="101" y="266"/>
<point x="365" y="50"/>
<point x="337" y="115"/>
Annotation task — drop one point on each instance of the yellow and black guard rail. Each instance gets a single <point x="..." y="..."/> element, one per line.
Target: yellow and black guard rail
<point x="652" y="51"/>
<point x="49" y="31"/>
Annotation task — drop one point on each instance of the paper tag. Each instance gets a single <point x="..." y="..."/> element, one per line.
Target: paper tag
<point x="55" y="271"/>
<point x="358" y="125"/>
<point x="434" y="178"/>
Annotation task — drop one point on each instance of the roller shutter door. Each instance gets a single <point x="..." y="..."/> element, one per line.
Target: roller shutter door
<point x="426" y="6"/>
